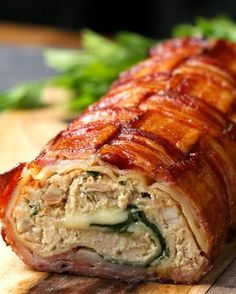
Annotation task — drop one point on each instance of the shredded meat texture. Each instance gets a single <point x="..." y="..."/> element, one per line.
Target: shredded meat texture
<point x="42" y="224"/>
<point x="171" y="120"/>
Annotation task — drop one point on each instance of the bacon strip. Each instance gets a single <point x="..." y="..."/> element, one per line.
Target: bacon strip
<point x="172" y="119"/>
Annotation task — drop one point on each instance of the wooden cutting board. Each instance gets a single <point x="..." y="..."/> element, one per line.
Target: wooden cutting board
<point x="22" y="136"/>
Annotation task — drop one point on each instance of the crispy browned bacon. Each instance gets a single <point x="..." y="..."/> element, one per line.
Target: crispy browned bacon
<point x="170" y="117"/>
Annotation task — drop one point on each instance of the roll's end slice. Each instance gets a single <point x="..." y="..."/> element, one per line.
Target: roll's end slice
<point x="85" y="221"/>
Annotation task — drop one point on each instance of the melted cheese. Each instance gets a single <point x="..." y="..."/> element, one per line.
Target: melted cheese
<point x="109" y="216"/>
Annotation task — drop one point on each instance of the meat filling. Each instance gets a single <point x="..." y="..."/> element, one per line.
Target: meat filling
<point x="121" y="219"/>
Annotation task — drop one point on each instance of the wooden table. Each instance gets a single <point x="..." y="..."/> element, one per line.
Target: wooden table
<point x="33" y="35"/>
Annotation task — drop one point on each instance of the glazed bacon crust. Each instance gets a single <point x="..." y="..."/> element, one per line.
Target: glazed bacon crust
<point x="172" y="118"/>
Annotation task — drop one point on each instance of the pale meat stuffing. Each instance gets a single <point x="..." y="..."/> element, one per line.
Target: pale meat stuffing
<point x="43" y="220"/>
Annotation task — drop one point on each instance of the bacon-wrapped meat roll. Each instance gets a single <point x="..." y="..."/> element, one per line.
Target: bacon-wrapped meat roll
<point x="142" y="184"/>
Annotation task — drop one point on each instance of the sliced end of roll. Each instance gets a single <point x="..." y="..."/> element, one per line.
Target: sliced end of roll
<point x="98" y="221"/>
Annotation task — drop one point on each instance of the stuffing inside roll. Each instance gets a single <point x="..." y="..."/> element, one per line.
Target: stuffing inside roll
<point x="119" y="217"/>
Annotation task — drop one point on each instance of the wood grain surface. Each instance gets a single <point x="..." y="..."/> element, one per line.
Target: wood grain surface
<point x="35" y="35"/>
<point x="22" y="136"/>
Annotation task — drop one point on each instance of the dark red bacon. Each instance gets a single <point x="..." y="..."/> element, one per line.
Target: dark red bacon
<point x="171" y="118"/>
<point x="8" y="182"/>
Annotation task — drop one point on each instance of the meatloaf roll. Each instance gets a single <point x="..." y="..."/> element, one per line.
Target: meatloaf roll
<point x="142" y="184"/>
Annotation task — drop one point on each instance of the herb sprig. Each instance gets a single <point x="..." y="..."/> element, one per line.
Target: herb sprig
<point x="86" y="73"/>
<point x="218" y="27"/>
